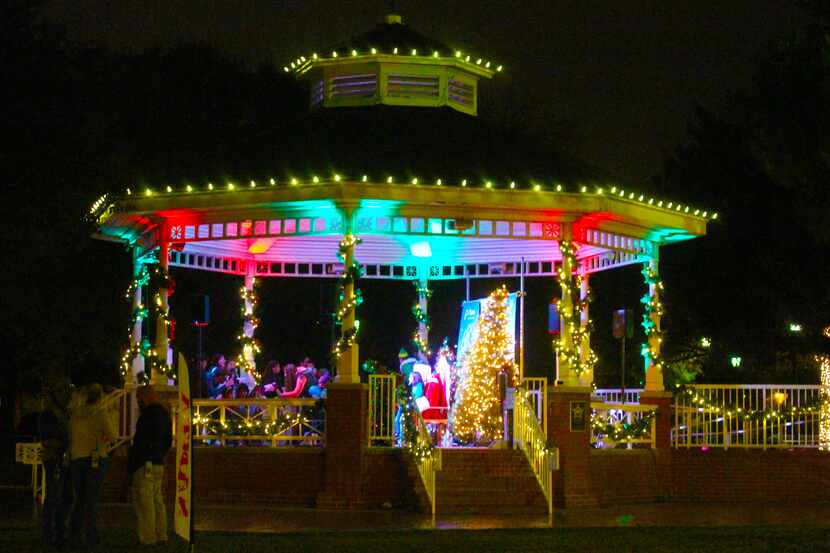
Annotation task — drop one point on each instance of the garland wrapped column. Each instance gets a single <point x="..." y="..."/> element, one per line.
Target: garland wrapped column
<point x="824" y="399"/>
<point x="586" y="378"/>
<point x="346" y="350"/>
<point x="420" y="339"/>
<point x="136" y="364"/>
<point x="573" y="348"/>
<point x="158" y="364"/>
<point x="250" y="347"/>
<point x="652" y="302"/>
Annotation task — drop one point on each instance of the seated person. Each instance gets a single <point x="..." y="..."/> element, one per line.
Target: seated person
<point x="305" y="380"/>
<point x="273" y="380"/>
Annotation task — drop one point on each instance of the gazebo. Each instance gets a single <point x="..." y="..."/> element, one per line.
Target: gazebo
<point x="348" y="194"/>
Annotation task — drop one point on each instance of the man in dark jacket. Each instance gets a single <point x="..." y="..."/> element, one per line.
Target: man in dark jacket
<point x="151" y="442"/>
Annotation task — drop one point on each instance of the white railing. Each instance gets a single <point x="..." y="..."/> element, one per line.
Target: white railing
<point x="622" y="423"/>
<point x="382" y="402"/>
<point x="749" y="415"/>
<point x="117" y="405"/>
<point x="273" y="422"/>
<point x="537" y="394"/>
<point x="528" y="436"/>
<point x="427" y="457"/>
<point x="616" y="395"/>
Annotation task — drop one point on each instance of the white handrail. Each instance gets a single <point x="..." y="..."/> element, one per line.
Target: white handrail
<point x="427" y="456"/>
<point x="528" y="435"/>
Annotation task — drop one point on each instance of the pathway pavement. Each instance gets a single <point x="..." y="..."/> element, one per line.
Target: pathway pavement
<point x="19" y="513"/>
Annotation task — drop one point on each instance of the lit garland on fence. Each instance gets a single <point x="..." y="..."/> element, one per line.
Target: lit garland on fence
<point x="824" y="395"/>
<point x="621" y="432"/>
<point x="421" y="317"/>
<point x="249" y="345"/>
<point x="232" y="427"/>
<point x="476" y="416"/>
<point x="348" y="305"/>
<point x="570" y="353"/>
<point x="653" y="308"/>
<point x="420" y="450"/>
<point x="698" y="402"/>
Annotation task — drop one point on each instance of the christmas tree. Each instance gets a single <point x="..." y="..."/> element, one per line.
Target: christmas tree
<point x="476" y="416"/>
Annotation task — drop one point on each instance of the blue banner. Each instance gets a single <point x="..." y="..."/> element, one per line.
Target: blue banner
<point x="468" y="327"/>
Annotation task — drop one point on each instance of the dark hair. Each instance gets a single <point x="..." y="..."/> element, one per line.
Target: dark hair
<point x="215" y="359"/>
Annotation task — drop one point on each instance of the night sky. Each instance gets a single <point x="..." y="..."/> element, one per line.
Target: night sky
<point x="624" y="75"/>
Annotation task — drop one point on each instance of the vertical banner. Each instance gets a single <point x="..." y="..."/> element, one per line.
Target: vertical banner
<point x="183" y="508"/>
<point x="468" y="327"/>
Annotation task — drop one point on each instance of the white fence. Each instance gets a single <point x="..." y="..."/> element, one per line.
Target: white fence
<point x="613" y="424"/>
<point x="617" y="395"/>
<point x="382" y="403"/>
<point x="751" y="416"/>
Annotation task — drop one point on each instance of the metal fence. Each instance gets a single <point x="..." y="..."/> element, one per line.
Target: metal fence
<point x="750" y="416"/>
<point x="536" y="392"/>
<point x="382" y="398"/>
<point x="617" y="395"/>
<point x="528" y="435"/>
<point x="427" y="457"/>
<point x="628" y="424"/>
<point x="259" y="422"/>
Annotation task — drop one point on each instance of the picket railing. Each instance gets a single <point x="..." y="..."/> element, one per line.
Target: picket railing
<point x="529" y="437"/>
<point x="750" y="415"/>
<point x="382" y="402"/>
<point x="616" y="395"/>
<point x="629" y="424"/>
<point x="536" y="391"/>
<point x="273" y="422"/>
<point x="427" y="457"/>
<point x="117" y="406"/>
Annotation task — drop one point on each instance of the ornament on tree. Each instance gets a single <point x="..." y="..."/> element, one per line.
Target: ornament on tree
<point x="476" y="418"/>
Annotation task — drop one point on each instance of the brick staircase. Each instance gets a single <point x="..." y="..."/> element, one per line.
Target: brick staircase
<point x="486" y="481"/>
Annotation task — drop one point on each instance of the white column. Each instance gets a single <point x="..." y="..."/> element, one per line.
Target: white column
<point x="136" y="334"/>
<point x="423" y="301"/>
<point x="567" y="372"/>
<point x="162" y="339"/>
<point x="248" y="327"/>
<point x="587" y="377"/>
<point x="347" y="363"/>
<point x="654" y="369"/>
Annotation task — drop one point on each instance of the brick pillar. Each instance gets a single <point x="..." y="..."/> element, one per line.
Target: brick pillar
<point x="572" y="482"/>
<point x="662" y="440"/>
<point x="345" y="445"/>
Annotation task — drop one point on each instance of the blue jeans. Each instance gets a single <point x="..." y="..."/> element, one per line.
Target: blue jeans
<point x="58" y="501"/>
<point x="87" y="482"/>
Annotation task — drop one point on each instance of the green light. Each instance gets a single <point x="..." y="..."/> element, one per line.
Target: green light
<point x="736" y="361"/>
<point x="705" y="342"/>
<point x="795" y="327"/>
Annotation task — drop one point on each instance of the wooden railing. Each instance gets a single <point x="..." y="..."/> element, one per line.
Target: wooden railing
<point x="623" y="423"/>
<point x="528" y="436"/>
<point x="272" y="422"/>
<point x="751" y="416"/>
<point x="382" y="401"/>
<point x="427" y="457"/>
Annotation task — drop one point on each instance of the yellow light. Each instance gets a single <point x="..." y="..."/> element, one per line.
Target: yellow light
<point x="669" y="205"/>
<point x="148" y="192"/>
<point x="388" y="180"/>
<point x="286" y="69"/>
<point x="365" y="178"/>
<point x="512" y="184"/>
<point x="489" y="184"/>
<point x="487" y="65"/>
<point x="272" y="181"/>
<point x="650" y="201"/>
<point x="314" y="55"/>
<point x="374" y="50"/>
<point x="697" y="212"/>
<point x="294" y="181"/>
<point x="537" y="187"/>
<point x="559" y="188"/>
<point x="599" y="191"/>
<point x="438" y="182"/>
<point x="714" y="215"/>
<point x="129" y="192"/>
<point x="640" y="199"/>
<point x="631" y="196"/>
<point x="435" y="54"/>
<point x="613" y="189"/>
<point x="395" y="50"/>
<point x="660" y="203"/>
<point x="478" y="62"/>
<point x="354" y="52"/>
<point x="458" y="53"/>
<point x="336" y="177"/>
<point x="189" y="188"/>
<point x="583" y="189"/>
<point x="464" y="182"/>
<point x="467" y="58"/>
<point x="705" y="213"/>
<point x="499" y="68"/>
<point x="686" y="210"/>
<point x="230" y="186"/>
<point x="210" y="186"/>
<point x="315" y="179"/>
<point x="253" y="184"/>
<point x="169" y="189"/>
<point x="415" y="180"/>
<point x="414" y="52"/>
<point x="334" y="54"/>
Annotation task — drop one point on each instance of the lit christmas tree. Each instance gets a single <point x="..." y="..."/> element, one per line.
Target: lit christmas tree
<point x="476" y="416"/>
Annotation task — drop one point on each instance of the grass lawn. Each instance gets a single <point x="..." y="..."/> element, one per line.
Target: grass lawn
<point x="593" y="540"/>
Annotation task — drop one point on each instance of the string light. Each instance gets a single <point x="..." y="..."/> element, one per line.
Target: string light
<point x="249" y="346"/>
<point x="573" y="352"/>
<point x="653" y="311"/>
<point x="350" y="295"/>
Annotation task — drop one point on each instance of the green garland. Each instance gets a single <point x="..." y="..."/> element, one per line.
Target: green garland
<point x="249" y="342"/>
<point x="421" y="317"/>
<point x="420" y="451"/>
<point x="652" y="306"/>
<point x="233" y="427"/>
<point x="621" y="432"/>
<point x="570" y="353"/>
<point x="698" y="402"/>
<point x="351" y="275"/>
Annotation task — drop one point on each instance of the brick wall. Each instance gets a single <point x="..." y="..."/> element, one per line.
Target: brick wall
<point x="625" y="475"/>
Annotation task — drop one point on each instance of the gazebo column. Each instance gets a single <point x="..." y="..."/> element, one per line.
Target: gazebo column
<point x="569" y="402"/>
<point x="346" y="408"/>
<point x="423" y="305"/>
<point x="248" y="326"/>
<point x="162" y="338"/>
<point x="587" y="377"/>
<point x="136" y="333"/>
<point x="654" y="392"/>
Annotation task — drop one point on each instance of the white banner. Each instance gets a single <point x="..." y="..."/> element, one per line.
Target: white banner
<point x="183" y="507"/>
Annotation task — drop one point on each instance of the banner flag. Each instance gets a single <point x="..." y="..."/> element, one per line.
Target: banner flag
<point x="183" y="508"/>
<point x="468" y="327"/>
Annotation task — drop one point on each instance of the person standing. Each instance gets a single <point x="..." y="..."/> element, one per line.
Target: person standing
<point x="151" y="442"/>
<point x="54" y="435"/>
<point x="91" y="430"/>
